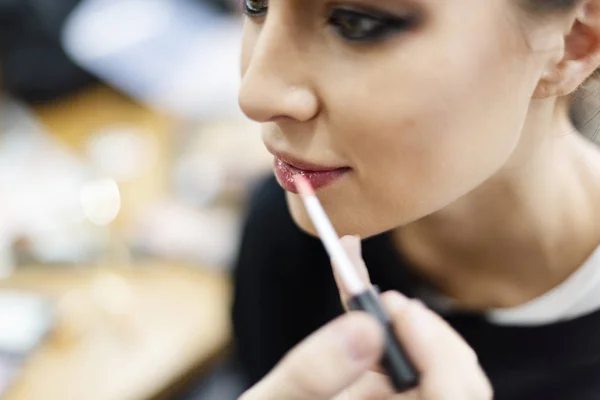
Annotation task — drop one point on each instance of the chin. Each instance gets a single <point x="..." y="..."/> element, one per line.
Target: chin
<point x="343" y="221"/>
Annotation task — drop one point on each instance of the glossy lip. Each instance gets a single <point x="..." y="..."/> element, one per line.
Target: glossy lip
<point x="286" y="167"/>
<point x="302" y="165"/>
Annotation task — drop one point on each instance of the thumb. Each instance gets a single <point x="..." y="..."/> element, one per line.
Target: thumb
<point x="325" y="363"/>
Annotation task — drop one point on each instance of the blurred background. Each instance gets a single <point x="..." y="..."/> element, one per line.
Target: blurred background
<point x="124" y="169"/>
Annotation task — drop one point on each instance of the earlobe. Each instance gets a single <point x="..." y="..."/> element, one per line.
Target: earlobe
<point x="541" y="91"/>
<point x="551" y="85"/>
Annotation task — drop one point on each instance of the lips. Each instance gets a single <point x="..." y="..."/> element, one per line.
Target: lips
<point x="319" y="176"/>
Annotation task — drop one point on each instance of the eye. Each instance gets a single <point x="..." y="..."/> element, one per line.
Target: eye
<point x="255" y="8"/>
<point x="360" y="26"/>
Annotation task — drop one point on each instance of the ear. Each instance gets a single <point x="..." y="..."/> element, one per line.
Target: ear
<point x="581" y="55"/>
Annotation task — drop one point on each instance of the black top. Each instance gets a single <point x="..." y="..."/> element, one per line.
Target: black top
<point x="284" y="290"/>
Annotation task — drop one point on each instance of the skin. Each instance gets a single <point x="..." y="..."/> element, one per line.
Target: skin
<point x="458" y="122"/>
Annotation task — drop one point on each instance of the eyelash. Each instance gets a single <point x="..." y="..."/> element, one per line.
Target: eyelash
<point x="254" y="11"/>
<point x="371" y="26"/>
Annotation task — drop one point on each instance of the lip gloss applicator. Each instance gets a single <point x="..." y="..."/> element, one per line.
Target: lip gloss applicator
<point x="363" y="298"/>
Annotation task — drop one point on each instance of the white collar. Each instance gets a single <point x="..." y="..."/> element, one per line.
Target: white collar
<point x="577" y="296"/>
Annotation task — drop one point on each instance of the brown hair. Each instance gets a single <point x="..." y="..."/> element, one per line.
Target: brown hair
<point x="585" y="102"/>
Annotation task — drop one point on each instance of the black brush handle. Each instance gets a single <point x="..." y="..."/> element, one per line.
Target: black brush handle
<point x="395" y="361"/>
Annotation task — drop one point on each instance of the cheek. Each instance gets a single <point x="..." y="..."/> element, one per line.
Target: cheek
<point x="434" y="129"/>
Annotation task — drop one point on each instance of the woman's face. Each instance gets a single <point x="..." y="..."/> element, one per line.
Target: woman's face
<point x="418" y="101"/>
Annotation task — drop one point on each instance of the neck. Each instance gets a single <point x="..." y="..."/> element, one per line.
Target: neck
<point x="522" y="232"/>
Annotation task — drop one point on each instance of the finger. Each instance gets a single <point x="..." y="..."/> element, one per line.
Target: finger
<point x="345" y="395"/>
<point x="372" y="386"/>
<point x="326" y="362"/>
<point x="352" y="245"/>
<point x="448" y="366"/>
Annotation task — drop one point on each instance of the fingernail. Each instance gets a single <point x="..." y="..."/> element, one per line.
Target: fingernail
<point x="359" y="245"/>
<point x="352" y="246"/>
<point x="395" y="301"/>
<point x="357" y="339"/>
<point x="358" y="350"/>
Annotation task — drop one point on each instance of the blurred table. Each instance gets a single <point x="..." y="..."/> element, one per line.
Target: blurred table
<point x="172" y="321"/>
<point x="130" y="333"/>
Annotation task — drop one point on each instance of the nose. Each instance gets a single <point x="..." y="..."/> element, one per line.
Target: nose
<point x="275" y="75"/>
